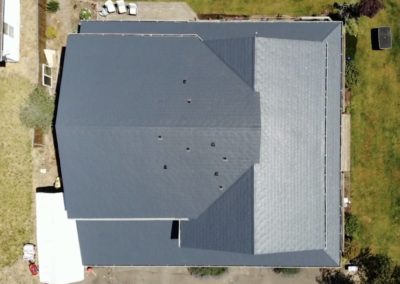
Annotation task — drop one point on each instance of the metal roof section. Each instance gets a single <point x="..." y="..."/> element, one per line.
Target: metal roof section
<point x="148" y="243"/>
<point x="333" y="110"/>
<point x="227" y="224"/>
<point x="160" y="128"/>
<point x="289" y="180"/>
<point x="297" y="182"/>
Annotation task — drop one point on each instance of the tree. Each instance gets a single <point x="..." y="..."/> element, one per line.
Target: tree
<point x="377" y="267"/>
<point x="369" y="8"/>
<point x="395" y="278"/>
<point x="38" y="110"/>
<point x="207" y="271"/>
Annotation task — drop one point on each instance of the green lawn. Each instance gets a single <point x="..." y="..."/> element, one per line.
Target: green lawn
<point x="258" y="7"/>
<point x="15" y="171"/>
<point x="376" y="137"/>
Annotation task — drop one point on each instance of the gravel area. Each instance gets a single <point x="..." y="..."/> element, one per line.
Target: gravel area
<point x="172" y="275"/>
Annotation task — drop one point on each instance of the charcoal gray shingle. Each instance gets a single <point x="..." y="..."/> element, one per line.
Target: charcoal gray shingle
<point x="111" y="115"/>
<point x="288" y="207"/>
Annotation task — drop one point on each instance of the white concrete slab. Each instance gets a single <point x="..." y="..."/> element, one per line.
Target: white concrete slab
<point x="59" y="253"/>
<point x="345" y="147"/>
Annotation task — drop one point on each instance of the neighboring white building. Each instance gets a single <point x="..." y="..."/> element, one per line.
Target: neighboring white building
<point x="9" y="30"/>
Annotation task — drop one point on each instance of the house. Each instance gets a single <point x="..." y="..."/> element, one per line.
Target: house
<point x="9" y="30"/>
<point x="203" y="143"/>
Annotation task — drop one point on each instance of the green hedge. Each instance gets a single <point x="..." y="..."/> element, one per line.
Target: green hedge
<point x="53" y="6"/>
<point x="207" y="271"/>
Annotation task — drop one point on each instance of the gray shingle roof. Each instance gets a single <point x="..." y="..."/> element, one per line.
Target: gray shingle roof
<point x="110" y="117"/>
<point x="141" y="243"/>
<point x="227" y="224"/>
<point x="288" y="208"/>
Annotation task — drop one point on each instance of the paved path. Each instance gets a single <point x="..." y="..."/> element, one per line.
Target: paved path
<point x="170" y="275"/>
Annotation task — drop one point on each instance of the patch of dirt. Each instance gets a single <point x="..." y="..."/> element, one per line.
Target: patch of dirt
<point x="66" y="20"/>
<point x="45" y="169"/>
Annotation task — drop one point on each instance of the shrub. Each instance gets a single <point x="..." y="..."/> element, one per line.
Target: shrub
<point x="53" y="6"/>
<point x="329" y="276"/>
<point x="352" y="74"/>
<point x="352" y="249"/>
<point x="286" y="271"/>
<point x="369" y="8"/>
<point x="344" y="11"/>
<point x="85" y="14"/>
<point x="38" y="110"/>
<point x="207" y="271"/>
<point x="51" y="32"/>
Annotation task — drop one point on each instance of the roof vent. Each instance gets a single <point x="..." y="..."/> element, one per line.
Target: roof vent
<point x="160" y="137"/>
<point x="216" y="174"/>
<point x="187" y="149"/>
<point x="221" y="187"/>
<point x="184" y="81"/>
<point x="212" y="144"/>
<point x="189" y="101"/>
<point x="224" y="159"/>
<point x="165" y="167"/>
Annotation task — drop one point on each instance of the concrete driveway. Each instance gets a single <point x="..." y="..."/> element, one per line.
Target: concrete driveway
<point x="173" y="275"/>
<point x="157" y="11"/>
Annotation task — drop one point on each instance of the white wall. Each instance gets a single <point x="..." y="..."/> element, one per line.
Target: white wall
<point x="12" y="19"/>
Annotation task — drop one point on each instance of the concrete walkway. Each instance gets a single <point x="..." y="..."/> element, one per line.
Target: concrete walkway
<point x="171" y="275"/>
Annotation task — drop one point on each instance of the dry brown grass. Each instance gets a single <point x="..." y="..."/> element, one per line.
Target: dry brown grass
<point x="15" y="170"/>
